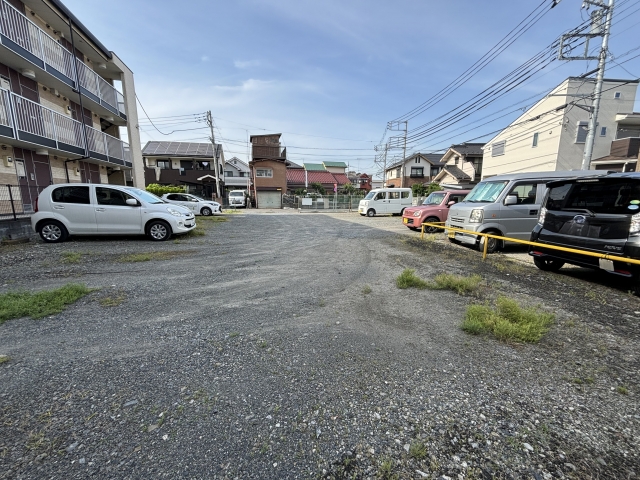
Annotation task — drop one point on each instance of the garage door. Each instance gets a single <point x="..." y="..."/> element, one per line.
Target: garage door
<point x="269" y="200"/>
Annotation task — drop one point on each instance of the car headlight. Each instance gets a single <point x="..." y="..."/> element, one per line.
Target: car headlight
<point x="174" y="212"/>
<point x="417" y="213"/>
<point x="635" y="224"/>
<point x="543" y="214"/>
<point x="477" y="215"/>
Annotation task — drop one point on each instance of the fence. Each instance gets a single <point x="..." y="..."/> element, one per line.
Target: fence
<point x="322" y="203"/>
<point x="18" y="201"/>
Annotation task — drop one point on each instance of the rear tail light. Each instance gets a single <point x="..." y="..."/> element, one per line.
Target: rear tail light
<point x="541" y="217"/>
<point x="36" y="207"/>
<point x="634" y="227"/>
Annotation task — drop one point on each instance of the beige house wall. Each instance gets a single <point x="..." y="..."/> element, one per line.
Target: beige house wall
<point x="557" y="130"/>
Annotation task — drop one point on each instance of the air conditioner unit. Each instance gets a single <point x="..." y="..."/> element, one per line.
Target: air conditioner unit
<point x="55" y="92"/>
<point x="8" y="161"/>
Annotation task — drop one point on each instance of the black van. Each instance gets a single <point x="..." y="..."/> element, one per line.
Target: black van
<point x="598" y="214"/>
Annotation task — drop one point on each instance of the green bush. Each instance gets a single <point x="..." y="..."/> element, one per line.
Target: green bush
<point x="160" y="190"/>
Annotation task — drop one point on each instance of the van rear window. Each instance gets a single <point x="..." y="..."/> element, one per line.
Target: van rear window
<point x="611" y="197"/>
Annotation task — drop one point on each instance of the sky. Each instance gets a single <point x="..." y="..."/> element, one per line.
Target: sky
<point x="330" y="74"/>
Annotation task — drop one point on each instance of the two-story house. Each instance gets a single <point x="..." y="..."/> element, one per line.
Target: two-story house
<point x="268" y="168"/>
<point x="184" y="163"/>
<point x="61" y="107"/>
<point x="417" y="168"/>
<point x="462" y="166"/>
<point x="361" y="181"/>
<point x="550" y="136"/>
<point x="237" y="175"/>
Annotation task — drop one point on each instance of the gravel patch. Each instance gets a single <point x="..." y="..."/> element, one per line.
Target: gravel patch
<point x="252" y="352"/>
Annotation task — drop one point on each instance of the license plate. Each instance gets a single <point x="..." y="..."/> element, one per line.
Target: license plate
<point x="451" y="234"/>
<point x="405" y="220"/>
<point x="606" y="264"/>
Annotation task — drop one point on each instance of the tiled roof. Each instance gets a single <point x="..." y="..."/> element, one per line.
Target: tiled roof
<point x="314" y="167"/>
<point x="179" y="149"/>
<point x="468" y="148"/>
<point x="456" y="173"/>
<point x="341" y="179"/>
<point x="335" y="164"/>
<point x="296" y="176"/>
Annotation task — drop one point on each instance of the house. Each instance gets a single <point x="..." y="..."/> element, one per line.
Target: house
<point x="462" y="166"/>
<point x="61" y="110"/>
<point x="237" y="175"/>
<point x="550" y="136"/>
<point x="183" y="163"/>
<point x="418" y="168"/>
<point x="317" y="173"/>
<point x="335" y="167"/>
<point x="624" y="152"/>
<point x="361" y="181"/>
<point x="268" y="167"/>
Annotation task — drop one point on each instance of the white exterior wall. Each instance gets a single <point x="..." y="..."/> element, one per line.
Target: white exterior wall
<point x="557" y="148"/>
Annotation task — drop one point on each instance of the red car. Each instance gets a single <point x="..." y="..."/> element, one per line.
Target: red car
<point x="435" y="208"/>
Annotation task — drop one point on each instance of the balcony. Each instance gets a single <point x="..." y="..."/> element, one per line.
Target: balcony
<point x="29" y="41"/>
<point x="30" y="122"/>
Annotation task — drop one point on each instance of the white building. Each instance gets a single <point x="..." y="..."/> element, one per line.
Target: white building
<point x="237" y="175"/>
<point x="550" y="136"/>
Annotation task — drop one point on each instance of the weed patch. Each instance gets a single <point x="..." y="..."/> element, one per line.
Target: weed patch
<point x="113" y="301"/>
<point x="40" y="304"/>
<point x="148" y="256"/>
<point x="409" y="279"/>
<point x="366" y="290"/>
<point x="623" y="390"/>
<point x="196" y="232"/>
<point x="457" y="283"/>
<point x="508" y="321"/>
<point x="4" y="359"/>
<point x="71" y="257"/>
<point x="418" y="450"/>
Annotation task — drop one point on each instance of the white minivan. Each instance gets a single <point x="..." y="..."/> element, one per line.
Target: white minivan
<point x="94" y="209"/>
<point x="383" y="201"/>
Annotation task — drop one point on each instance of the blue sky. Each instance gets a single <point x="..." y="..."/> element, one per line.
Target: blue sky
<point x="329" y="74"/>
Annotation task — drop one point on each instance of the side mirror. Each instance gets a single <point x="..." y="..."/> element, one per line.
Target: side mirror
<point x="452" y="202"/>
<point x="132" y="202"/>
<point x="511" y="200"/>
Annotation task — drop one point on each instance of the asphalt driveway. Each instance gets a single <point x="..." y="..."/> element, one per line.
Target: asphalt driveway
<point x="254" y="351"/>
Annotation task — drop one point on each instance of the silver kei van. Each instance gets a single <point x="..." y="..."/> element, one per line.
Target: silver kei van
<point x="506" y="205"/>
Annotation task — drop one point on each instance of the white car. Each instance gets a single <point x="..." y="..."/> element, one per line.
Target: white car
<point x="198" y="205"/>
<point x="237" y="198"/>
<point x="92" y="209"/>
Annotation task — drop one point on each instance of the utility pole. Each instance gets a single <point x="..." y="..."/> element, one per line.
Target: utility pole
<point x="215" y="154"/>
<point x="598" y="28"/>
<point x="395" y="127"/>
<point x="381" y="160"/>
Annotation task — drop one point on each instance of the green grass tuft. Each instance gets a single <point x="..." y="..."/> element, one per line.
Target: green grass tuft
<point x="508" y="321"/>
<point x="148" y="256"/>
<point x="418" y="450"/>
<point x="366" y="290"/>
<point x="622" y="390"/>
<point x="40" y="304"/>
<point x="409" y="279"/>
<point x="4" y="359"/>
<point x="457" y="283"/>
<point x="71" y="257"/>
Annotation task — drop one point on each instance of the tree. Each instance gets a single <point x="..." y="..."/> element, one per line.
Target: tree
<point x="299" y="191"/>
<point x="317" y="186"/>
<point x="432" y="187"/>
<point x="348" y="189"/>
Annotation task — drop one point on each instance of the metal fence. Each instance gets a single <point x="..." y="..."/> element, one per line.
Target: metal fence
<point x="322" y="203"/>
<point x="18" y="201"/>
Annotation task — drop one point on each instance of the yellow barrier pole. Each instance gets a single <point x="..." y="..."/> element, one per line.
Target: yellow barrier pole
<point x="604" y="256"/>
<point x="486" y="246"/>
<point x="422" y="233"/>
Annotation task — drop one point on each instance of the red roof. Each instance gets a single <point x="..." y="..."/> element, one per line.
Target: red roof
<point x="341" y="178"/>
<point x="296" y="176"/>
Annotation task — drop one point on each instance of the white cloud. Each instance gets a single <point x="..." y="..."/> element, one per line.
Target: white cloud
<point x="247" y="64"/>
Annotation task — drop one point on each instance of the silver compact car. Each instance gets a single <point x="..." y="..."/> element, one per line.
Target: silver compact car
<point x="198" y="205"/>
<point x="88" y="209"/>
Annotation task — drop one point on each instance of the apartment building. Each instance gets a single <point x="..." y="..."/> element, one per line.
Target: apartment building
<point x="185" y="164"/>
<point x="550" y="136"/>
<point x="64" y="98"/>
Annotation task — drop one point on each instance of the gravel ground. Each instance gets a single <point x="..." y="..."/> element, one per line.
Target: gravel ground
<point x="254" y="352"/>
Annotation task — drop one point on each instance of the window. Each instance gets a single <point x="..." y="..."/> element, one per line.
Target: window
<point x="456" y="160"/>
<point x="110" y="196"/>
<point x="394" y="195"/>
<point x="398" y="172"/>
<point x="241" y="174"/>
<point x="264" y="172"/>
<point x="581" y="134"/>
<point x="535" y="139"/>
<point x="477" y="166"/>
<point x="164" y="164"/>
<point x="381" y="196"/>
<point x="417" y="172"/>
<point x="526" y="193"/>
<point x="186" y="164"/>
<point x="617" y="95"/>
<point x="497" y="148"/>
<point x="418" y="160"/>
<point x="435" y="171"/>
<point x="405" y="194"/>
<point x="603" y="131"/>
<point x="71" y="195"/>
<point x="228" y="173"/>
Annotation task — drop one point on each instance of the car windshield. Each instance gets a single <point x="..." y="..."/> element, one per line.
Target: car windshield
<point x="612" y="197"/>
<point x="145" y="196"/>
<point x="486" y="192"/>
<point x="370" y="195"/>
<point x="434" y="199"/>
<point x="236" y="194"/>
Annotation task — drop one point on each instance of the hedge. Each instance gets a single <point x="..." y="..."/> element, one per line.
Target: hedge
<point x="157" y="189"/>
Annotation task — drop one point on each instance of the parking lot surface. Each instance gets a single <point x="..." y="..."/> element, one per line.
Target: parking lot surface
<point x="277" y="345"/>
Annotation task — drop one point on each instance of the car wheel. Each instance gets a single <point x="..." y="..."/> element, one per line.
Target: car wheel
<point x="371" y="212"/>
<point x="431" y="229"/>
<point x="454" y="241"/>
<point x="493" y="243"/>
<point x="52" y="231"/>
<point x="548" y="264"/>
<point x="402" y="212"/>
<point x="159" y="231"/>
<point x="206" y="211"/>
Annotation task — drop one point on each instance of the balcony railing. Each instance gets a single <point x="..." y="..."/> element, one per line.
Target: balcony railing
<point x="33" y="43"/>
<point x="34" y="123"/>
